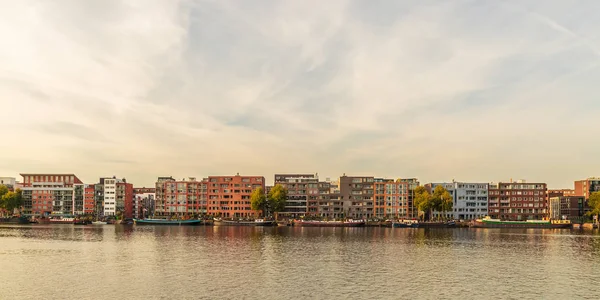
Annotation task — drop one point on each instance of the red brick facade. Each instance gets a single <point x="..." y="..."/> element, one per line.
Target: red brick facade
<point x="229" y="196"/>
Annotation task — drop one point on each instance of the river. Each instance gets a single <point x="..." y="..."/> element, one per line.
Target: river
<point x="213" y="262"/>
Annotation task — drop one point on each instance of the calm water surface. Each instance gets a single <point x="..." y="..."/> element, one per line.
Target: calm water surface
<point x="72" y="262"/>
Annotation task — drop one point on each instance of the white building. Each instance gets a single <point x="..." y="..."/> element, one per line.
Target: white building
<point x="470" y="200"/>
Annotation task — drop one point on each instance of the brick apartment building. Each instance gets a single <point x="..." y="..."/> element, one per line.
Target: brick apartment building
<point x="229" y="196"/>
<point x="179" y="197"/>
<point x="45" y="194"/>
<point x="113" y="197"/>
<point x="307" y="196"/>
<point x="571" y="208"/>
<point x="586" y="187"/>
<point x="391" y="198"/>
<point x="356" y="194"/>
<point x="224" y="196"/>
<point x="518" y="200"/>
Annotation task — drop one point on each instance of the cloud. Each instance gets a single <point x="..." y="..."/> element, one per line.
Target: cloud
<point x="480" y="91"/>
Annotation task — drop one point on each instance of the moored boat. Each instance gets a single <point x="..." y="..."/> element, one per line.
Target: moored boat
<point x="488" y="222"/>
<point x="405" y="224"/>
<point x="167" y="222"/>
<point x="99" y="223"/>
<point x="257" y="222"/>
<point x="347" y="223"/>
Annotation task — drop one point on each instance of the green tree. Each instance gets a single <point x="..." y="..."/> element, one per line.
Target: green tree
<point x="441" y="200"/>
<point x="258" y="200"/>
<point x="3" y="190"/>
<point x="422" y="200"/>
<point x="594" y="204"/>
<point x="11" y="200"/>
<point x="277" y="199"/>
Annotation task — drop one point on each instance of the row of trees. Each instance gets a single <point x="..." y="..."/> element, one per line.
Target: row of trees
<point x="440" y="201"/>
<point x="10" y="200"/>
<point x="271" y="203"/>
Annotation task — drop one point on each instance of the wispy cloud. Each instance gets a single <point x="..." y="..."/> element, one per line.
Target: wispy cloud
<point x="432" y="89"/>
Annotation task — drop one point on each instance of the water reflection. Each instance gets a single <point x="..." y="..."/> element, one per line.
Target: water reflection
<point x="298" y="262"/>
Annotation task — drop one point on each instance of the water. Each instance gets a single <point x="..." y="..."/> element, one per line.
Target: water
<point x="72" y="262"/>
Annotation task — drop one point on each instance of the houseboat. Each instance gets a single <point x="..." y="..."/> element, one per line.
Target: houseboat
<point x="167" y="222"/>
<point x="347" y="223"/>
<point x="257" y="222"/>
<point x="488" y="222"/>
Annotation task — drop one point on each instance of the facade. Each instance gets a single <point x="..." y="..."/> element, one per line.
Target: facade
<point x="229" y="196"/>
<point x="470" y="200"/>
<point x="413" y="183"/>
<point x="517" y="200"/>
<point x="586" y="187"/>
<point x="180" y="197"/>
<point x="298" y="186"/>
<point x="571" y="208"/>
<point x="391" y="198"/>
<point x="45" y="194"/>
<point x="356" y="195"/>
<point x="114" y="196"/>
<point x="559" y="193"/>
<point x="9" y="182"/>
<point x="89" y="201"/>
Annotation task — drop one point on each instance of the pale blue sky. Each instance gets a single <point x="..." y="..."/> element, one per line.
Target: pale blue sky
<point x="439" y="90"/>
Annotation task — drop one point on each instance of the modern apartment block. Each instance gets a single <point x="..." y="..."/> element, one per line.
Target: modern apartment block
<point x="571" y="208"/>
<point x="413" y="183"/>
<point x="180" y="197"/>
<point x="229" y="196"/>
<point x="586" y="187"/>
<point x="114" y="196"/>
<point x="297" y="186"/>
<point x="470" y="200"/>
<point x="517" y="200"/>
<point x="45" y="194"/>
<point x="356" y="194"/>
<point x="391" y="198"/>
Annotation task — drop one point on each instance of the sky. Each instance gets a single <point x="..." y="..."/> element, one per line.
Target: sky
<point x="481" y="91"/>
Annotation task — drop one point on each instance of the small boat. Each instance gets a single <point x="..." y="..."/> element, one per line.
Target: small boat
<point x="488" y="222"/>
<point x="347" y="223"/>
<point x="81" y="222"/>
<point x="99" y="223"/>
<point x="257" y="222"/>
<point x="167" y="222"/>
<point x="406" y="224"/>
<point x="61" y="221"/>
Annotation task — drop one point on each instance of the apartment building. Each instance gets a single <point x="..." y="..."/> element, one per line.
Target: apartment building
<point x="115" y="196"/>
<point x="391" y="198"/>
<point x="560" y="193"/>
<point x="571" y="208"/>
<point x="180" y="197"/>
<point x="413" y="183"/>
<point x="586" y="187"/>
<point x="470" y="200"/>
<point x="356" y="195"/>
<point x="45" y="194"/>
<point x="229" y="196"/>
<point x="518" y="200"/>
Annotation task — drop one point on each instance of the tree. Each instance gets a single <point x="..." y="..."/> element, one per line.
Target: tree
<point x="422" y="200"/>
<point x="11" y="200"/>
<point x="594" y="204"/>
<point x="3" y="190"/>
<point x="277" y="199"/>
<point x="441" y="200"/>
<point x="258" y="200"/>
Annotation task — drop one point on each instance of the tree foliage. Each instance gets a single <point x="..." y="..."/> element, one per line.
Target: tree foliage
<point x="594" y="203"/>
<point x="258" y="200"/>
<point x="10" y="200"/>
<point x="440" y="200"/>
<point x="422" y="200"/>
<point x="277" y="198"/>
